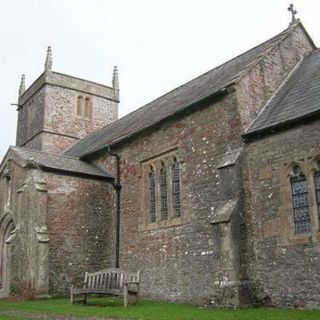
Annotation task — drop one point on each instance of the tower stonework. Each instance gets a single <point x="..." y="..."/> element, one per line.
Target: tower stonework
<point x="58" y="109"/>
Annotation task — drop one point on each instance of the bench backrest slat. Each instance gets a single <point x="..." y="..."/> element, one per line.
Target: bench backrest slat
<point x="109" y="279"/>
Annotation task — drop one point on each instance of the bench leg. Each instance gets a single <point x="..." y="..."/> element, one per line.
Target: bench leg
<point x="85" y="299"/>
<point x="125" y="295"/>
<point x="71" y="294"/>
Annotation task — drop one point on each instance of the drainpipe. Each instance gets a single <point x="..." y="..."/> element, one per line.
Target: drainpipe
<point x="117" y="187"/>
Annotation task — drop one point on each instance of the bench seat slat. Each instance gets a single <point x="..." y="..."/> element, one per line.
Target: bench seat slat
<point x="97" y="291"/>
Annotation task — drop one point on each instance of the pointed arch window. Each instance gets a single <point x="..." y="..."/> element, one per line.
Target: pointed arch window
<point x="317" y="188"/>
<point x="152" y="195"/>
<point x="164" y="192"/>
<point x="176" y="189"/>
<point x="300" y="202"/>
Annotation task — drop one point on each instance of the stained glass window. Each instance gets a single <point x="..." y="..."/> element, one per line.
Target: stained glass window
<point x="152" y="196"/>
<point x="176" y="189"/>
<point x="164" y="192"/>
<point x="300" y="202"/>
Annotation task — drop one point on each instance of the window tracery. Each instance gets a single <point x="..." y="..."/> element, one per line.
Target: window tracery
<point x="300" y="202"/>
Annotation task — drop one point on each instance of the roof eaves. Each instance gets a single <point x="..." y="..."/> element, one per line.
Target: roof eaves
<point x="37" y="164"/>
<point x="263" y="132"/>
<point x="75" y="173"/>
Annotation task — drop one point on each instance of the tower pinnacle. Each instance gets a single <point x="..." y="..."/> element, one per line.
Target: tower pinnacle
<point x="115" y="78"/>
<point x="48" y="63"/>
<point x="22" y="87"/>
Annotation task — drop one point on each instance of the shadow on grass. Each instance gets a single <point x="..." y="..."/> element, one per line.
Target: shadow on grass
<point x="109" y="302"/>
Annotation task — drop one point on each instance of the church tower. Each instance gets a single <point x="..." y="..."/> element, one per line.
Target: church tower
<point x="58" y="109"/>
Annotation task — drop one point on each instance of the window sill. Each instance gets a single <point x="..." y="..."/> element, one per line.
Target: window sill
<point x="173" y="222"/>
<point x="298" y="239"/>
<point x="83" y="118"/>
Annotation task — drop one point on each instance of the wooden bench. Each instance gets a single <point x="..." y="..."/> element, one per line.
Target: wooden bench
<point x="113" y="282"/>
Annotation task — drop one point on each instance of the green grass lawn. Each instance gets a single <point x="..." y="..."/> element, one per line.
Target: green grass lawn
<point x="11" y="318"/>
<point x="146" y="310"/>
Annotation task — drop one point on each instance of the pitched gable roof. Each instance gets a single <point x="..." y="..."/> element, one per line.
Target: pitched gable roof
<point x="176" y="101"/>
<point x="298" y="98"/>
<point x="64" y="164"/>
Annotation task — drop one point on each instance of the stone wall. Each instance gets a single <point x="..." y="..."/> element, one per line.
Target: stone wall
<point x="182" y="258"/>
<point x="25" y="207"/>
<point x="31" y="119"/>
<point x="63" y="226"/>
<point x="61" y="112"/>
<point x="260" y="82"/>
<point x="284" y="264"/>
<point x="200" y="256"/>
<point x="80" y="221"/>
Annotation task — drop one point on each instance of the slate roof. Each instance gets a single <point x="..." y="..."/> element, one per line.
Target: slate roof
<point x="60" y="163"/>
<point x="298" y="98"/>
<point x="185" y="96"/>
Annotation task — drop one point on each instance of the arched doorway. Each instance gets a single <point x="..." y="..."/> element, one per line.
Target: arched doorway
<point x="7" y="228"/>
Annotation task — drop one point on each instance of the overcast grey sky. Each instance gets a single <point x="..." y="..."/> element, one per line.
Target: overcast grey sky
<point x="157" y="44"/>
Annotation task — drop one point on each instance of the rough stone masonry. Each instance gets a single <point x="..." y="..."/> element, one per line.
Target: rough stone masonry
<point x="209" y="200"/>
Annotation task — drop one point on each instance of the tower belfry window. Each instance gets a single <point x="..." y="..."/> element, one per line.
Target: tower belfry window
<point x="86" y="107"/>
<point x="83" y="107"/>
<point x="79" y="105"/>
<point x="300" y="202"/>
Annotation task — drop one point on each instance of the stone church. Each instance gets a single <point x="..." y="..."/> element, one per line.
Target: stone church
<point x="212" y="190"/>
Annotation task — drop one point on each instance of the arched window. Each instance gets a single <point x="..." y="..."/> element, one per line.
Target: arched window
<point x="317" y="188"/>
<point x="164" y="192"/>
<point x="87" y="107"/>
<point x="176" y="189"/>
<point x="152" y="195"/>
<point x="79" y="106"/>
<point x="300" y="202"/>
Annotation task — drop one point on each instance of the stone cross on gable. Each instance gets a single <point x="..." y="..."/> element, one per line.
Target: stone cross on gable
<point x="293" y="12"/>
